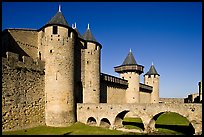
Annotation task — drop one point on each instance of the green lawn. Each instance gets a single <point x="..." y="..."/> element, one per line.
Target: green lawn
<point x="167" y="123"/>
<point x="76" y="129"/>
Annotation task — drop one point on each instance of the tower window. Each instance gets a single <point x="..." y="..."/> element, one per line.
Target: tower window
<point x="39" y="55"/>
<point x="54" y="30"/>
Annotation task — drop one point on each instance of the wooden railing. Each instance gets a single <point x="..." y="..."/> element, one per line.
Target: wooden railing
<point x="113" y="79"/>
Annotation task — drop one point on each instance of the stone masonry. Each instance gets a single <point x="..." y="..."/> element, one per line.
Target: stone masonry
<point x="52" y="76"/>
<point x="23" y="98"/>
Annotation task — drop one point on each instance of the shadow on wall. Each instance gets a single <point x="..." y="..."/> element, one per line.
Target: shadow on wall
<point x="12" y="46"/>
<point x="103" y="92"/>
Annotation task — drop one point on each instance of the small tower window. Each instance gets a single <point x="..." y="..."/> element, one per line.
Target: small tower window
<point x="54" y="30"/>
<point x="39" y="55"/>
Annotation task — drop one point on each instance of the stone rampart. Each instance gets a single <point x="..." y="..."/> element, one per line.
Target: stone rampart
<point x="23" y="99"/>
<point x="113" y="89"/>
<point x="171" y="100"/>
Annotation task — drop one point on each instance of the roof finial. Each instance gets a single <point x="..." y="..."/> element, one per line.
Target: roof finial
<point x="130" y="50"/>
<point x="75" y="25"/>
<point x="88" y="26"/>
<point x="59" y="8"/>
<point x="152" y="63"/>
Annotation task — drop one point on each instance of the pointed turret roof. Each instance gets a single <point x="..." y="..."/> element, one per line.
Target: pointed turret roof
<point x="75" y="28"/>
<point x="129" y="60"/>
<point x="88" y="36"/>
<point x="58" y="19"/>
<point x="152" y="71"/>
<point x="129" y="65"/>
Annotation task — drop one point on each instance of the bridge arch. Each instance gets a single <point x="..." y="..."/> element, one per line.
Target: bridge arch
<point x="119" y="118"/>
<point x="91" y="121"/>
<point x="152" y="123"/>
<point x="105" y="123"/>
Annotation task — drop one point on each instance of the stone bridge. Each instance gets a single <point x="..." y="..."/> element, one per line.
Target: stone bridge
<point x="111" y="115"/>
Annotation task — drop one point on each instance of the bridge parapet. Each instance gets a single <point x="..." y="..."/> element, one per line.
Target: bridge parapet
<point x="116" y="112"/>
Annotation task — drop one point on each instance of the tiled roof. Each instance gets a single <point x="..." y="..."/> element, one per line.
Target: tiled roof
<point x="88" y="36"/>
<point x="79" y="35"/>
<point x="129" y="60"/>
<point x="152" y="71"/>
<point x="58" y="19"/>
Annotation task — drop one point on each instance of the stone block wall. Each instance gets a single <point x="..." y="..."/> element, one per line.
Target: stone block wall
<point x="23" y="103"/>
<point x="171" y="100"/>
<point x="113" y="89"/>
<point x="145" y="97"/>
<point x="112" y="93"/>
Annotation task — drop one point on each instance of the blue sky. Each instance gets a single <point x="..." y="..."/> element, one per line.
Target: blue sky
<point x="169" y="34"/>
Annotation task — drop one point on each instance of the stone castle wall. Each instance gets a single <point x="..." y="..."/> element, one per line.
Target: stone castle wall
<point x="171" y="100"/>
<point x="113" y="89"/>
<point x="23" y="101"/>
<point x="112" y="93"/>
<point x="145" y="97"/>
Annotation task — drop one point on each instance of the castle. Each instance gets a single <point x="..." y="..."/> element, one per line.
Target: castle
<point x="45" y="72"/>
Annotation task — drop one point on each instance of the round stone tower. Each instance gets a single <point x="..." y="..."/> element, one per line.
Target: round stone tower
<point x="57" y="41"/>
<point x="91" y="90"/>
<point x="131" y="71"/>
<point x="151" y="78"/>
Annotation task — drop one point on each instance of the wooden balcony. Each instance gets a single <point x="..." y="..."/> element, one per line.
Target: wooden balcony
<point x="129" y="68"/>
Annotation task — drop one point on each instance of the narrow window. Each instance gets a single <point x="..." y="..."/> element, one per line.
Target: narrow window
<point x="54" y="30"/>
<point x="39" y="55"/>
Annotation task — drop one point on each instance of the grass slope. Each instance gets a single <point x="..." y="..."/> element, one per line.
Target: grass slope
<point x="76" y="129"/>
<point x="167" y="124"/>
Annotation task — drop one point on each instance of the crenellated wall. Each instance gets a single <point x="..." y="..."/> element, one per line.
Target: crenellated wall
<point x="23" y="103"/>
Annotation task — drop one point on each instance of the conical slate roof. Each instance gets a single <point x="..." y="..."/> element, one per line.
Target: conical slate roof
<point x="58" y="19"/>
<point x="75" y="28"/>
<point x="152" y="71"/>
<point x="129" y="60"/>
<point x="79" y="35"/>
<point x="88" y="35"/>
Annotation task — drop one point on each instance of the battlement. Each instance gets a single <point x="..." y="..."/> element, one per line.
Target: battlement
<point x="112" y="79"/>
<point x="14" y="61"/>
